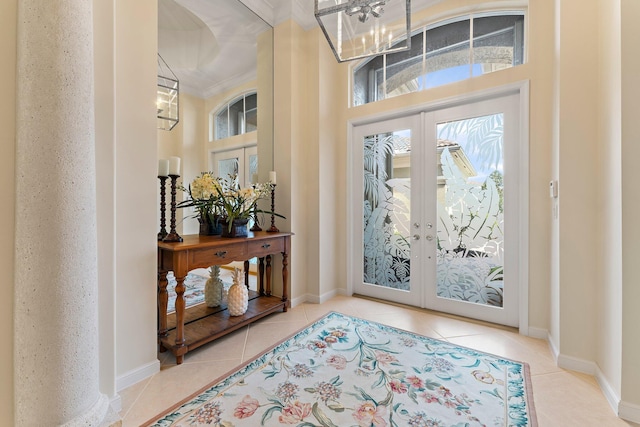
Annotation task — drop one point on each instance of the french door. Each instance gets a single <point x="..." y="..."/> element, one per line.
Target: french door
<point x="439" y="197"/>
<point x="242" y="162"/>
<point x="386" y="169"/>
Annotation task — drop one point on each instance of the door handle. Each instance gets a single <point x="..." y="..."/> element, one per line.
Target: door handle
<point x="429" y="237"/>
<point x="416" y="237"/>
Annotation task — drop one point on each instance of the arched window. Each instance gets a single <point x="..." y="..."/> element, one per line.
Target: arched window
<point x="237" y="117"/>
<point x="443" y="53"/>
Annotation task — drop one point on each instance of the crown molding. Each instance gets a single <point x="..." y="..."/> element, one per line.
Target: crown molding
<point x="275" y="12"/>
<point x="300" y="11"/>
<point x="265" y="9"/>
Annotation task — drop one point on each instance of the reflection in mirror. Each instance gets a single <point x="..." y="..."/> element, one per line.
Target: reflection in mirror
<point x="228" y="167"/>
<point x="222" y="54"/>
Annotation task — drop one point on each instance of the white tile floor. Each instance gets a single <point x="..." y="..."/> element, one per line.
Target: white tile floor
<point x="561" y="397"/>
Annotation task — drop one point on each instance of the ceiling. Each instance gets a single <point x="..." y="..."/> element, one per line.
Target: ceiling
<point x="210" y="45"/>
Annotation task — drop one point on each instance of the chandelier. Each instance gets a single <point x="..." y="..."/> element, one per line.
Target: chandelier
<point x="363" y="8"/>
<point x="167" y="97"/>
<point x="362" y="28"/>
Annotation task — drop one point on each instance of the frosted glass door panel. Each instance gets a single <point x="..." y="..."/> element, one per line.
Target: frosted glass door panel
<point x="251" y="165"/>
<point x="479" y="170"/>
<point x="228" y="167"/>
<point x="242" y="162"/>
<point x="470" y="257"/>
<point x="387" y="209"/>
<point x="387" y="261"/>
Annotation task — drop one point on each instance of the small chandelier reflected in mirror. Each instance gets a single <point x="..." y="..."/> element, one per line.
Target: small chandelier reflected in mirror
<point x="167" y="100"/>
<point x="361" y="28"/>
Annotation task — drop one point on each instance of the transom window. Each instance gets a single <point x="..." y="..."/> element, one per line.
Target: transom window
<point x="441" y="54"/>
<point x="237" y="117"/>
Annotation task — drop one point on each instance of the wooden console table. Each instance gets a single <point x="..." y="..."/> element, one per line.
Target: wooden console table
<point x="185" y="330"/>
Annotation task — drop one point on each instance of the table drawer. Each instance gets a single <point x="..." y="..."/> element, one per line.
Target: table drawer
<point x="217" y="256"/>
<point x="261" y="248"/>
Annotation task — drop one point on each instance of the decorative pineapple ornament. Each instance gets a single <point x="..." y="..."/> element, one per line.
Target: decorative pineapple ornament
<point x="213" y="288"/>
<point x="238" y="297"/>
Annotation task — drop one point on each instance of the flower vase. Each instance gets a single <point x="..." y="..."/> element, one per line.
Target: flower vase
<point x="238" y="296"/>
<point x="209" y="227"/>
<point x="213" y="288"/>
<point x="238" y="228"/>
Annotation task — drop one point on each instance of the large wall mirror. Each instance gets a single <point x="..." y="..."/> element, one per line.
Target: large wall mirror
<point x="222" y="55"/>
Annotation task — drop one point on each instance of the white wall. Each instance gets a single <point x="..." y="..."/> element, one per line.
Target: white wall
<point x="8" y="21"/>
<point x="103" y="14"/>
<point x="289" y="149"/>
<point x="577" y="146"/>
<point x="135" y="174"/>
<point x="630" y="153"/>
<point x="609" y="356"/>
<point x="332" y="168"/>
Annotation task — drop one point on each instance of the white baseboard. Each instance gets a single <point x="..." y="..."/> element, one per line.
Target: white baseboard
<point x="576" y="364"/>
<point x="299" y="300"/>
<point x="137" y="375"/>
<point x="315" y="299"/>
<point x="554" y="349"/>
<point x="624" y="410"/>
<point x="608" y="391"/>
<point x="328" y="295"/>
<point x="539" y="333"/>
<point x="116" y="402"/>
<point x="344" y="292"/>
<point x="629" y="411"/>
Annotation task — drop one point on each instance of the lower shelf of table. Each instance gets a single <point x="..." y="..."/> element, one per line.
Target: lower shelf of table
<point x="203" y="324"/>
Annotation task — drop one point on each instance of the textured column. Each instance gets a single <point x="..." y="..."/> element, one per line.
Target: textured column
<point x="56" y="307"/>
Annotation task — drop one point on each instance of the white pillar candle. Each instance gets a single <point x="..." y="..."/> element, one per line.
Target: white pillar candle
<point x="272" y="177"/>
<point x="163" y="167"/>
<point x="174" y="165"/>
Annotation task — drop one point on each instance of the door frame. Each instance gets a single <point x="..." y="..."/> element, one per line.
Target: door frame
<point x="243" y="153"/>
<point x="354" y="205"/>
<point x="414" y="123"/>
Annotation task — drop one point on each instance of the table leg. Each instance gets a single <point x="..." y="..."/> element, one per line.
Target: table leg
<point x="261" y="275"/>
<point x="268" y="290"/>
<point x="246" y="273"/>
<point x="163" y="300"/>
<point x="180" y="307"/>
<point x="285" y="280"/>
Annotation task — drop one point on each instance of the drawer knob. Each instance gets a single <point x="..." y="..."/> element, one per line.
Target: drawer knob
<point x="221" y="254"/>
<point x="266" y="245"/>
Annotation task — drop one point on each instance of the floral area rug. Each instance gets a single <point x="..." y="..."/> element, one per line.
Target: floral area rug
<point x="193" y="293"/>
<point x="345" y="371"/>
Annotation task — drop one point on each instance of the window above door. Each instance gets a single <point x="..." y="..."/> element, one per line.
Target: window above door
<point x="237" y="117"/>
<point x="443" y="53"/>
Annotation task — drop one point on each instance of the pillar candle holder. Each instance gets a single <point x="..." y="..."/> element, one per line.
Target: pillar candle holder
<point x="256" y="226"/>
<point x="273" y="228"/>
<point x="173" y="236"/>
<point x="163" y="231"/>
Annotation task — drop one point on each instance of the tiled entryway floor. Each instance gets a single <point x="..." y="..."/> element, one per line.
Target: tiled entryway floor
<point x="562" y="398"/>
